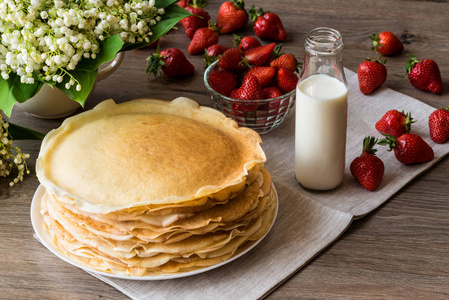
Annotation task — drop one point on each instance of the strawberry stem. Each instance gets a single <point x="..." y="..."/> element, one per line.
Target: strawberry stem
<point x="410" y="64"/>
<point x="368" y="145"/>
<point x="236" y="39"/>
<point x="239" y="4"/>
<point x="408" y="122"/>
<point x="199" y="3"/>
<point x="276" y="51"/>
<point x="375" y="38"/>
<point x="389" y="140"/>
<point x="209" y="59"/>
<point x="377" y="59"/>
<point x="254" y="13"/>
<point x="155" y="63"/>
<point x="214" y="27"/>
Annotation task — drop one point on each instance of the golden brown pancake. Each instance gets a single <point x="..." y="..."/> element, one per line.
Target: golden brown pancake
<point x="146" y="152"/>
<point x="152" y="187"/>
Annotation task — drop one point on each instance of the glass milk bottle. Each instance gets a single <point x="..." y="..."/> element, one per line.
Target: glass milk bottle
<point x="321" y="112"/>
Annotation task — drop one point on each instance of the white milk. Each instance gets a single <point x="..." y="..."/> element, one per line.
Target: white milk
<point x="320" y="137"/>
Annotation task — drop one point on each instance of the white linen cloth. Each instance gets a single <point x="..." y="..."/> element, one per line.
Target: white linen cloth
<point x="307" y="222"/>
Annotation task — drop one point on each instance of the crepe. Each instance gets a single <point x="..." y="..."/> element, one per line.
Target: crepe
<point x="196" y="253"/>
<point x="152" y="187"/>
<point x="112" y="148"/>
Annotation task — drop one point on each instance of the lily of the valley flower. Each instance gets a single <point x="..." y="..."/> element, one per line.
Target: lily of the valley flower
<point x="50" y="37"/>
<point x="11" y="157"/>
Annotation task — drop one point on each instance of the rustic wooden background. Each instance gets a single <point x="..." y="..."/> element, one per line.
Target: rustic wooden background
<point x="399" y="251"/>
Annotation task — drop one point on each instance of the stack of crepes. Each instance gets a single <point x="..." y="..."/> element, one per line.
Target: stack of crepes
<point x="151" y="187"/>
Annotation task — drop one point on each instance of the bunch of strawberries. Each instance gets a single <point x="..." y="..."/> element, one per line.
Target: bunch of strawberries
<point x="409" y="148"/>
<point x="250" y="71"/>
<point x="372" y="73"/>
<point x="264" y="73"/>
<point x="203" y="33"/>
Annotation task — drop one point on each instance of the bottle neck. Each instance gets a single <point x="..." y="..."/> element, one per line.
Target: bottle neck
<point x="324" y="41"/>
<point x="323" y="54"/>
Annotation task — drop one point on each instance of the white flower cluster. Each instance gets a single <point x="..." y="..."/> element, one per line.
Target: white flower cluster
<point x="49" y="37"/>
<point x="9" y="161"/>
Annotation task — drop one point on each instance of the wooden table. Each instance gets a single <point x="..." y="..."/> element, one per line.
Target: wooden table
<point x="401" y="250"/>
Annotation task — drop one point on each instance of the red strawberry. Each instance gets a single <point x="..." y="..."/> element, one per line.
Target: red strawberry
<point x="271" y="92"/>
<point x="213" y="52"/>
<point x="439" y="125"/>
<point x="249" y="90"/>
<point x="272" y="107"/>
<point x="171" y="61"/>
<point x="286" y="80"/>
<point x="239" y="108"/>
<point x="395" y="123"/>
<point x="199" y="20"/>
<point x="386" y="43"/>
<point x="258" y="56"/>
<point x="231" y="60"/>
<point x="368" y="169"/>
<point x="267" y="25"/>
<point x="424" y="75"/>
<point x="286" y="61"/>
<point x="232" y="16"/>
<point x="223" y="82"/>
<point x="264" y="74"/>
<point x="184" y="3"/>
<point x="216" y="50"/>
<point x="371" y="74"/>
<point x="202" y="39"/>
<point x="409" y="148"/>
<point x="246" y="43"/>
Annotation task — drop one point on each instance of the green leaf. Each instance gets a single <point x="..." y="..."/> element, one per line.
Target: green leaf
<point x="22" y="133"/>
<point x="108" y="50"/>
<point x="12" y="91"/>
<point x="164" y="3"/>
<point x="173" y="14"/>
<point x="87" y="69"/>
<point x="87" y="81"/>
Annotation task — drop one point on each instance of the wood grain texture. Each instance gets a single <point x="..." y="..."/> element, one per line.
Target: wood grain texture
<point x="398" y="251"/>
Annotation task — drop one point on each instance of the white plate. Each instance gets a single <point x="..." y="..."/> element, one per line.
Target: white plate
<point x="44" y="237"/>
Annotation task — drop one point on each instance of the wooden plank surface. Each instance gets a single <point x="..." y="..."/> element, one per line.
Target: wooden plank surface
<point x="401" y="250"/>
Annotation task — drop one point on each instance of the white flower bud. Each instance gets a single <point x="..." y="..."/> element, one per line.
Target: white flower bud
<point x="62" y="41"/>
<point x="76" y="57"/>
<point x="87" y="45"/>
<point x="57" y="59"/>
